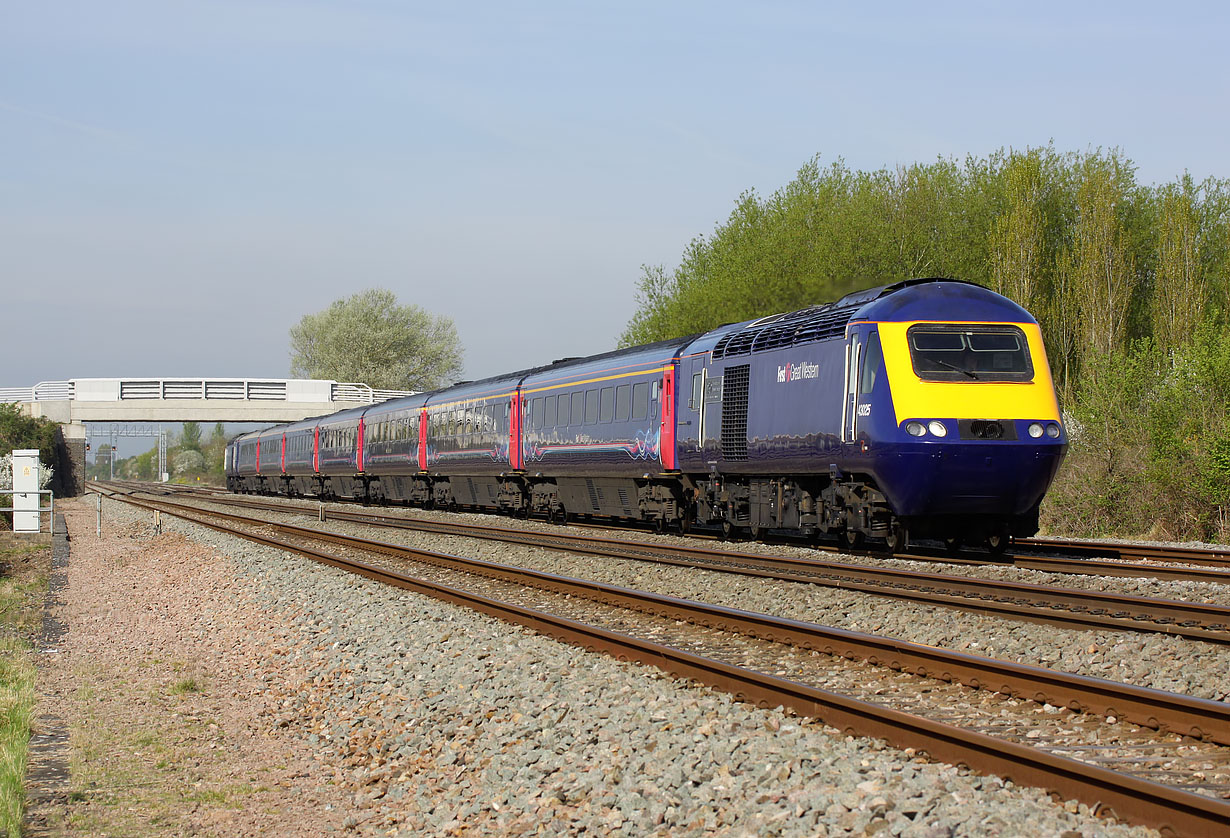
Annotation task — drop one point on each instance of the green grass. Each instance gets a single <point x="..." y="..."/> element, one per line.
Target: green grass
<point x="21" y="597"/>
<point x="186" y="685"/>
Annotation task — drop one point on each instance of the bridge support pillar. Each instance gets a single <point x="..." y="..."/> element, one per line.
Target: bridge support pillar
<point x="69" y="478"/>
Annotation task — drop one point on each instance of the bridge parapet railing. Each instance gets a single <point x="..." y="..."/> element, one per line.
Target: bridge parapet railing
<point x="203" y="388"/>
<point x="43" y="391"/>
<point x="237" y="389"/>
<point x="366" y="395"/>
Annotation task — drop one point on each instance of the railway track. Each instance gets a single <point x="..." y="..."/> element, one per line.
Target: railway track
<point x="1063" y="607"/>
<point x="1211" y="556"/>
<point x="1051" y="555"/>
<point x="1148" y="778"/>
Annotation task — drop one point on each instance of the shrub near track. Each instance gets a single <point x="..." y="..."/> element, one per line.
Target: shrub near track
<point x="22" y="588"/>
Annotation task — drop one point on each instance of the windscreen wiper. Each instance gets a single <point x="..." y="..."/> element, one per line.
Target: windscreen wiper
<point x="953" y="367"/>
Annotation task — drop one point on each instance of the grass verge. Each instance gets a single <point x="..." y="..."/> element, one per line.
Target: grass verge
<point x="23" y="586"/>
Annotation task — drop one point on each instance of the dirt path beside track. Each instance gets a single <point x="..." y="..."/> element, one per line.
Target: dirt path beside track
<point x="155" y="681"/>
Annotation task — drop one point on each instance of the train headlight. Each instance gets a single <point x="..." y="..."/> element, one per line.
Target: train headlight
<point x="1052" y="430"/>
<point x="1035" y="430"/>
<point x="936" y="427"/>
<point x="915" y="429"/>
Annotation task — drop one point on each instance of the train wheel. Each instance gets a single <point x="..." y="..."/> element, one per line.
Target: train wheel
<point x="953" y="545"/>
<point x="685" y="523"/>
<point x="898" y="538"/>
<point x="850" y="539"/>
<point x="660" y="525"/>
<point x="998" y="542"/>
<point x="727" y="529"/>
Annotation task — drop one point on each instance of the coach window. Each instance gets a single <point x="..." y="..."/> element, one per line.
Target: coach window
<point x="536" y="413"/>
<point x="871" y="364"/>
<point x="606" y="407"/>
<point x="591" y="407"/>
<point x="623" y="402"/>
<point x="640" y="400"/>
<point x="578" y="408"/>
<point x="548" y="412"/>
<point x="697" y="384"/>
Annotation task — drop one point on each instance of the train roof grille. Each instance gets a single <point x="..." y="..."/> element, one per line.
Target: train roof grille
<point x="806" y="326"/>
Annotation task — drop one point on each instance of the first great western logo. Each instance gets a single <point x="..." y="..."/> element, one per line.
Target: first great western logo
<point x="797" y="372"/>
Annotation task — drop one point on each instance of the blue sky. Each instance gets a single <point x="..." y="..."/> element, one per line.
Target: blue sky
<point x="180" y="182"/>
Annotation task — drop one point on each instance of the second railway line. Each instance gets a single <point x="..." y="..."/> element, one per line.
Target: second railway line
<point x="1081" y="606"/>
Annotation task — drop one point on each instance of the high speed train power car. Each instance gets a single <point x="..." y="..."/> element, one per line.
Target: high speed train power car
<point x="919" y="409"/>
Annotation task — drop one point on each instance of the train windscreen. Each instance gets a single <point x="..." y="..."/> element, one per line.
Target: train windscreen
<point x="970" y="353"/>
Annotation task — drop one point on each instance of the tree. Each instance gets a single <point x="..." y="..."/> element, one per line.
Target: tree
<point x="20" y="431"/>
<point x="1017" y="235"/>
<point x="1100" y="266"/>
<point x="370" y="338"/>
<point x="826" y="233"/>
<point x="1180" y="287"/>
<point x="191" y="436"/>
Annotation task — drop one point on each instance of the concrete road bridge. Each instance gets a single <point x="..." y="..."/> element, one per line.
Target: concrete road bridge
<point x="75" y="402"/>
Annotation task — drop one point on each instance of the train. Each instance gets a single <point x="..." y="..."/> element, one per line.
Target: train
<point x="922" y="409"/>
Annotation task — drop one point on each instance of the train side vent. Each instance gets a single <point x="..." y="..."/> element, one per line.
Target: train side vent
<point x="734" y="413"/>
<point x="595" y="496"/>
<point x="807" y="326"/>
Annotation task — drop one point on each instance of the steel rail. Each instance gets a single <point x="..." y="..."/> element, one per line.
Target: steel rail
<point x="1167" y="808"/>
<point x="1046" y="604"/>
<point x="1097" y="567"/>
<point x="1218" y="557"/>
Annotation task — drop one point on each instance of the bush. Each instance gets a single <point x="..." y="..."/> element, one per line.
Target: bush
<point x="187" y="461"/>
<point x="1150" y="445"/>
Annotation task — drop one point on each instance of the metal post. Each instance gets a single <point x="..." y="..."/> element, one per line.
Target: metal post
<point x="99" y="526"/>
<point x="157" y="522"/>
<point x="322" y="510"/>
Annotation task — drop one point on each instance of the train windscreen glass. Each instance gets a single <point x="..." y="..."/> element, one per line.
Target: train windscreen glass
<point x="970" y="353"/>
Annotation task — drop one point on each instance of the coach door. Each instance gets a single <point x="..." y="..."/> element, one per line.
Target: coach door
<point x="849" y="407"/>
<point x="692" y="415"/>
